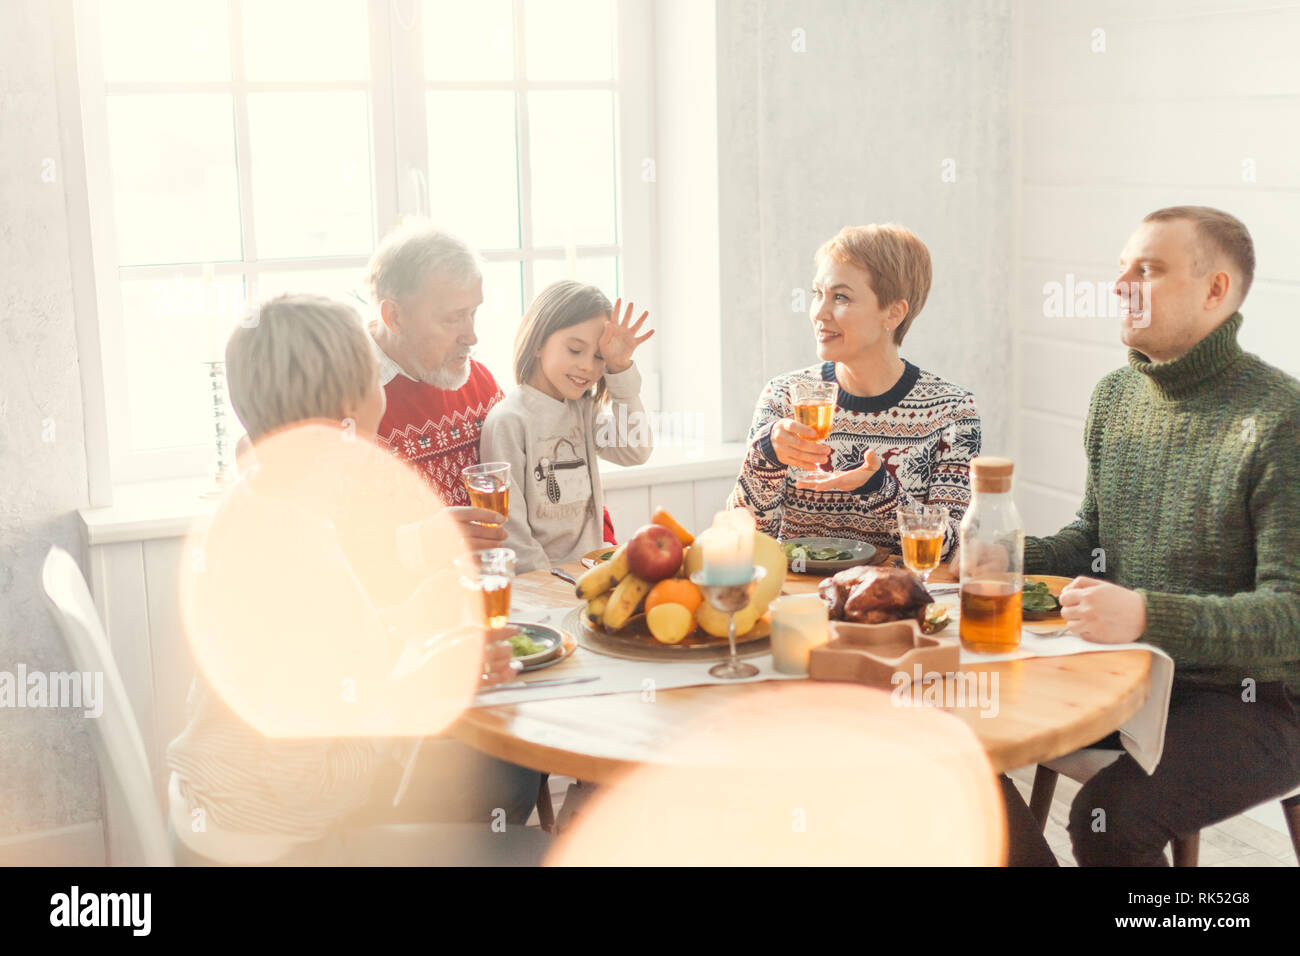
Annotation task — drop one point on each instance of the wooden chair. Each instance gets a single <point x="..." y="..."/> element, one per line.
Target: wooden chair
<point x="119" y="747"/>
<point x="1083" y="765"/>
<point x="545" y="809"/>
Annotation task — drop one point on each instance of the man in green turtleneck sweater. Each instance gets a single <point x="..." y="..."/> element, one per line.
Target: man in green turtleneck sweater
<point x="1189" y="538"/>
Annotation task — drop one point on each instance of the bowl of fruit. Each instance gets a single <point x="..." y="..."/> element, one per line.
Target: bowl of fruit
<point x="640" y="602"/>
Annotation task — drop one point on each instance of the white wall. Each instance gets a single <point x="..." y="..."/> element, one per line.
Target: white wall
<point x="852" y="131"/>
<point x="48" y="777"/>
<point x="1185" y="92"/>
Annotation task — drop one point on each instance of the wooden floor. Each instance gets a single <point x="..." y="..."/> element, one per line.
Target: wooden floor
<point x="1240" y="841"/>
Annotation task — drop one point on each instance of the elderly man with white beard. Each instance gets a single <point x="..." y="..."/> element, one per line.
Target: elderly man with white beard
<point x="428" y="286"/>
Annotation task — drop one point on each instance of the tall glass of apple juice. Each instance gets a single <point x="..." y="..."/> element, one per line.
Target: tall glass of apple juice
<point x="814" y="406"/>
<point x="488" y="484"/>
<point x="920" y="532"/>
<point x="485" y="577"/>
<point x="992" y="555"/>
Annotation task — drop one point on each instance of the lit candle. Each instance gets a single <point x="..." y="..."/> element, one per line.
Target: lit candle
<point x="800" y="622"/>
<point x="728" y="548"/>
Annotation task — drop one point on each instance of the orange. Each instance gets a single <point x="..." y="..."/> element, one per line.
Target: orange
<point x="664" y="519"/>
<point x="674" y="591"/>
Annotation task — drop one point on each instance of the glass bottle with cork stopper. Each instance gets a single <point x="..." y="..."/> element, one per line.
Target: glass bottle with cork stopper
<point x="992" y="559"/>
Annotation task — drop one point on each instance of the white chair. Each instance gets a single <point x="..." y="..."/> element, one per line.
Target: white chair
<point x="123" y="761"/>
<point x="1083" y="765"/>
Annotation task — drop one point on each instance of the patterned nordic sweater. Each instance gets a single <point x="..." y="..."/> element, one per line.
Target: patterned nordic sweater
<point x="1193" y="498"/>
<point x="924" y="429"/>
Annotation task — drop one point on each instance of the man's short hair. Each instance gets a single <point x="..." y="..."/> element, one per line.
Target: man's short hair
<point x="303" y="357"/>
<point x="414" y="253"/>
<point x="1221" y="233"/>
<point x="897" y="261"/>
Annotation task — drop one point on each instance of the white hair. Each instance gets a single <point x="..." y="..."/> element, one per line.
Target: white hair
<point x="412" y="254"/>
<point x="303" y="357"/>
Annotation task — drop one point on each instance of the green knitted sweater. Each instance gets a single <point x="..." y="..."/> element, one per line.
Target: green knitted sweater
<point x="1193" y="497"/>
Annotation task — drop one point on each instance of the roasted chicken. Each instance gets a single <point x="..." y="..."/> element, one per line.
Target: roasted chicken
<point x="874" y="595"/>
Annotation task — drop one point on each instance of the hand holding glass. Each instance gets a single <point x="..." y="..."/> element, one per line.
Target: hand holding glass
<point x="488" y="484"/>
<point x="814" y="406"/>
<point x="486" y="577"/>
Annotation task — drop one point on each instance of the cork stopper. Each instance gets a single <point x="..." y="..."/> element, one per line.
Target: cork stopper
<point x="991" y="475"/>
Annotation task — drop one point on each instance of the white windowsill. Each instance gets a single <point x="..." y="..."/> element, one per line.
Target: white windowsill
<point x="146" y="510"/>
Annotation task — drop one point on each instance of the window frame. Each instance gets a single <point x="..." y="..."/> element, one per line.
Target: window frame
<point x="398" y="146"/>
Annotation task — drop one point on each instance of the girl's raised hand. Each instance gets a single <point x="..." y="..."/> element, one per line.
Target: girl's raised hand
<point x="620" y="338"/>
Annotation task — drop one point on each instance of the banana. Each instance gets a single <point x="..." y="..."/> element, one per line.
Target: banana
<point x="619" y="561"/>
<point x="631" y="591"/>
<point x="595" y="612"/>
<point x="603" y="576"/>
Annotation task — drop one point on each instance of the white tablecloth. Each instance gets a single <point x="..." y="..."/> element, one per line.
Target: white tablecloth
<point x="1143" y="734"/>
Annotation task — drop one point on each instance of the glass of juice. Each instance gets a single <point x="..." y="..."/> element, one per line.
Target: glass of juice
<point x="485" y="577"/>
<point x="920" y="531"/>
<point x="814" y="406"/>
<point x="488" y="484"/>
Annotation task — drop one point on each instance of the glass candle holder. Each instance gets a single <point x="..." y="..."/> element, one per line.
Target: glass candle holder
<point x="800" y="622"/>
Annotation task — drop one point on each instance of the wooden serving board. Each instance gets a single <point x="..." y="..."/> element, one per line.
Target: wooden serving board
<point x="635" y="642"/>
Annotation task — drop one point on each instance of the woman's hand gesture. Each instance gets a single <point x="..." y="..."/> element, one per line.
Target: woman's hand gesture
<point x="850" y="480"/>
<point x="620" y="338"/>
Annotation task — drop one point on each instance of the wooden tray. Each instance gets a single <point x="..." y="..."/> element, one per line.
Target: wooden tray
<point x="634" y="641"/>
<point x="874" y="653"/>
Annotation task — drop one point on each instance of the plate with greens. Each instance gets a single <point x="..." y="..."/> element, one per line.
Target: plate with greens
<point x="826" y="555"/>
<point x="536" y="645"/>
<point x="596" y="556"/>
<point x="1040" y="604"/>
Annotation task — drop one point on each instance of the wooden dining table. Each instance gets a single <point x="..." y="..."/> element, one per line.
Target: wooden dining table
<point x="1047" y="706"/>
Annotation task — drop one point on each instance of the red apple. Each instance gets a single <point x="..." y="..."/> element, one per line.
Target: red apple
<point x="654" y="553"/>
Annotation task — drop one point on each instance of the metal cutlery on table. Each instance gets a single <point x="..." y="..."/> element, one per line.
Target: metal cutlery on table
<point x="561" y="573"/>
<point x="525" y="684"/>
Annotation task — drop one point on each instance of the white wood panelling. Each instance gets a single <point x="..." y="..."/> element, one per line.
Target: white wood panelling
<point x="122" y="598"/>
<point x="679" y="499"/>
<point x="1086" y="144"/>
<point x="629" y="508"/>
<point x="1228" y="52"/>
<point x="1089" y="224"/>
<point x="1059" y="13"/>
<point x="1059" y="376"/>
<point x="121" y="591"/>
<point x="710" y="498"/>
<point x="1271" y="326"/>
<point x="1045" y="510"/>
<point x="1183" y="94"/>
<point x="173" y="665"/>
<point x="1038" y="315"/>
<point x="1051" y="452"/>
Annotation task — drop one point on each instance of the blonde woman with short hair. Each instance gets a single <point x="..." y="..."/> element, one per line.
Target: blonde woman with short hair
<point x="901" y="435"/>
<point x="303" y="564"/>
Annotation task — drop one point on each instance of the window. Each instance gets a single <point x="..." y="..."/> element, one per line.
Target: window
<point x="237" y="150"/>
